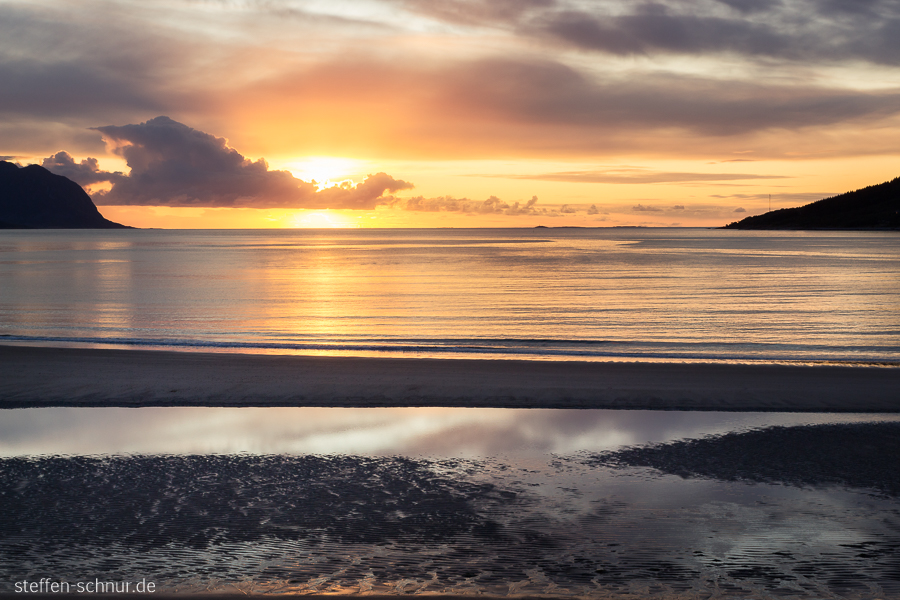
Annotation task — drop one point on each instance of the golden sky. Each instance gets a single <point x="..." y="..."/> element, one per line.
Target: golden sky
<point x="456" y="113"/>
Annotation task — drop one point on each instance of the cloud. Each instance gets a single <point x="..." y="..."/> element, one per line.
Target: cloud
<point x="593" y="210"/>
<point x="55" y="64"/>
<point x="661" y="32"/>
<point x="461" y="78"/>
<point x="678" y="207"/>
<point x="642" y="208"/>
<point x="788" y="197"/>
<point x="492" y="206"/>
<point x="36" y="89"/>
<point x="636" y="176"/>
<point x="751" y="6"/>
<point x="84" y="173"/>
<point x="476" y="12"/>
<point x="740" y="209"/>
<point x="545" y="93"/>
<point x="526" y="106"/>
<point x="365" y="195"/>
<point x="175" y="165"/>
<point x="794" y="30"/>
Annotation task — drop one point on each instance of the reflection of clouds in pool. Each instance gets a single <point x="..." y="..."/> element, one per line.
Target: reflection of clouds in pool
<point x="378" y="431"/>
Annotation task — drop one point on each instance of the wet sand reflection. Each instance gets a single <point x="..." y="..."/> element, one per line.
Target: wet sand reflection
<point x="450" y="432"/>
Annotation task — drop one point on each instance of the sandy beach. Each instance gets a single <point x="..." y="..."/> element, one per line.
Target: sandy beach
<point x="38" y="376"/>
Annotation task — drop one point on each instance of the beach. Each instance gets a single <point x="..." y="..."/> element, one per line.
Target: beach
<point x="568" y="504"/>
<point x="33" y="376"/>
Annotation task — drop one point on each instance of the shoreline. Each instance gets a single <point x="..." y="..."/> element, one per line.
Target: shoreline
<point x="43" y="377"/>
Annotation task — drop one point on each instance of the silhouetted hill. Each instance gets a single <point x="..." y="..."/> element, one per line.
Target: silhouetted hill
<point x="34" y="198"/>
<point x="874" y="207"/>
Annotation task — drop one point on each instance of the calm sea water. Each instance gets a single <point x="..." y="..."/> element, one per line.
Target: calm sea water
<point x="590" y="294"/>
<point x="518" y="503"/>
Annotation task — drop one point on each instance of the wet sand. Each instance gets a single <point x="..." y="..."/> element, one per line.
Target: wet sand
<point x="850" y="455"/>
<point x="564" y="526"/>
<point x="36" y="376"/>
<point x="243" y="596"/>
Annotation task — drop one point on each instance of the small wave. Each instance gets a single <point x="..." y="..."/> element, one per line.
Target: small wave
<point x="502" y="348"/>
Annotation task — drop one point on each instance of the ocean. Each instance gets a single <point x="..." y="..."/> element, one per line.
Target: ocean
<point x="543" y="294"/>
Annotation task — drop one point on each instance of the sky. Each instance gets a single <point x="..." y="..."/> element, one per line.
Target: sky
<point x="454" y="113"/>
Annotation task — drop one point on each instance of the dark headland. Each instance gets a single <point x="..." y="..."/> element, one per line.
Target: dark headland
<point x="874" y="207"/>
<point x="34" y="198"/>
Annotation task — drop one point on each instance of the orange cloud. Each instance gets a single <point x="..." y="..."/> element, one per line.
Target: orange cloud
<point x="514" y="107"/>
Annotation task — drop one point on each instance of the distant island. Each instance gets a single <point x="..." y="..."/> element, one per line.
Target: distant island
<point x="874" y="207"/>
<point x="34" y="198"/>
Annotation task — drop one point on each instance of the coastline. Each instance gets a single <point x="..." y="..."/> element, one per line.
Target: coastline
<point x="44" y="377"/>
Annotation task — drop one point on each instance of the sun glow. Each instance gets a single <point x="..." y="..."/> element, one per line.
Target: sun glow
<point x="321" y="219"/>
<point x="325" y="171"/>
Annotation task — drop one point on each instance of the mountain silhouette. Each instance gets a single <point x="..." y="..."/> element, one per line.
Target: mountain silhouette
<point x="34" y="198"/>
<point x="874" y="207"/>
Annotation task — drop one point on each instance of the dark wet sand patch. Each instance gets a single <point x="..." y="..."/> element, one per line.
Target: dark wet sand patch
<point x="857" y="455"/>
<point x="197" y="501"/>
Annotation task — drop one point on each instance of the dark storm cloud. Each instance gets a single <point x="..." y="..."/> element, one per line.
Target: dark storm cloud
<point x="175" y="165"/>
<point x="552" y="93"/>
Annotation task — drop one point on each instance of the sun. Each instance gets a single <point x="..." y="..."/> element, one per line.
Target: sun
<point x="325" y="171"/>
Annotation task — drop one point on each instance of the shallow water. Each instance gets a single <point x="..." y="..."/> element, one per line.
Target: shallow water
<point x="412" y="432"/>
<point x="306" y="501"/>
<point x="594" y="294"/>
